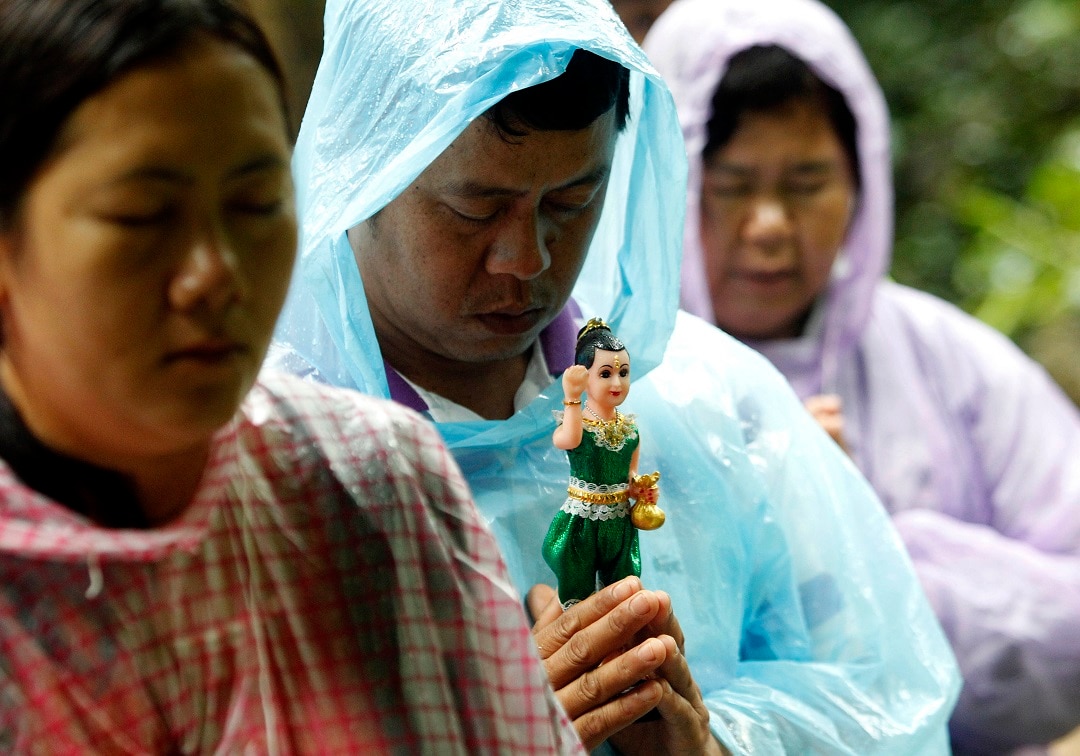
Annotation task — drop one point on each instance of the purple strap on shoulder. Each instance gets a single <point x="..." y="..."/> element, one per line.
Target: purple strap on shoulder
<point x="401" y="392"/>
<point x="559" y="339"/>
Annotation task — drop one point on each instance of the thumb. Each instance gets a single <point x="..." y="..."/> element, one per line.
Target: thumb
<point x="543" y="605"/>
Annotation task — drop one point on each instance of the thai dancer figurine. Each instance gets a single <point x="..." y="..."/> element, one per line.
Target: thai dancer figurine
<point x="593" y="538"/>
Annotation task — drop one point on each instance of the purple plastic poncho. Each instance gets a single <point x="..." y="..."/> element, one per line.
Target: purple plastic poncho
<point x="974" y="451"/>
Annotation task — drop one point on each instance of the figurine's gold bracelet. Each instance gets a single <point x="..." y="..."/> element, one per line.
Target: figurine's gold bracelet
<point x="571" y="402"/>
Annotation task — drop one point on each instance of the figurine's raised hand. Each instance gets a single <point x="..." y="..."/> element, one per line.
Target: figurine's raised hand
<point x="574" y="380"/>
<point x="568" y="434"/>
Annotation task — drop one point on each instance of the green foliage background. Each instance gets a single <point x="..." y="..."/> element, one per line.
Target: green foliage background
<point x="985" y="100"/>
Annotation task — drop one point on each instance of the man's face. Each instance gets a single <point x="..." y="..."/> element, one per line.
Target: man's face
<point x="480" y="253"/>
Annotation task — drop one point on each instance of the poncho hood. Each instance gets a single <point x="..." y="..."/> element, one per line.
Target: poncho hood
<point x="691" y="45"/>
<point x="398" y="82"/>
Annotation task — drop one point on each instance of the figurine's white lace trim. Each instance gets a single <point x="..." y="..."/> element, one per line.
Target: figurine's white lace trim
<point x="598" y="488"/>
<point x="596" y="511"/>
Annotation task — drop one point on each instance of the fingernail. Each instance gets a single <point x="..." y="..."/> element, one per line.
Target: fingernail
<point x="623" y="591"/>
<point x="647" y="651"/>
<point x="640" y="605"/>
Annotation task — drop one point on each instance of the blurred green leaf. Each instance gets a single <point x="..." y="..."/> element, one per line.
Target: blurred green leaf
<point x="985" y="101"/>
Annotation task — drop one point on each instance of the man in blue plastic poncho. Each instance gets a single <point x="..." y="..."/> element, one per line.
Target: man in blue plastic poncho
<point x="460" y="170"/>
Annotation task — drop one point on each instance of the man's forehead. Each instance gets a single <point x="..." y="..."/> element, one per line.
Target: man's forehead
<point x="480" y="162"/>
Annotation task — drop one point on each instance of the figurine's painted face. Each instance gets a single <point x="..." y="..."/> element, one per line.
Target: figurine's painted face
<point x="475" y="258"/>
<point x="609" y="380"/>
<point x="776" y="201"/>
<point x="142" y="278"/>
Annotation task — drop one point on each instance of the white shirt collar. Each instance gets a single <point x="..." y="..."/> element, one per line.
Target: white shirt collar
<point x="442" y="410"/>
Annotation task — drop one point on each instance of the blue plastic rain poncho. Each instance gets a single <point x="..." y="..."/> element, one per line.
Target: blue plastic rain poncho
<point x="804" y="624"/>
<point x="970" y="446"/>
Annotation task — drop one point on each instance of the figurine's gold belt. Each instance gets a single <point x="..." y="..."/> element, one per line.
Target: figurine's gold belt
<point x="589" y="497"/>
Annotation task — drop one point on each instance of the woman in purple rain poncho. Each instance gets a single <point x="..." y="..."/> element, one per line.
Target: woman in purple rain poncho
<point x="971" y="447"/>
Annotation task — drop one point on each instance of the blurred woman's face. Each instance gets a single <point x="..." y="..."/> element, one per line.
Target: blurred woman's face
<point x="140" y="281"/>
<point x="776" y="201"/>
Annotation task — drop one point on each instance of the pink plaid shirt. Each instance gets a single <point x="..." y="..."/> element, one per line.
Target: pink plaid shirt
<point x="331" y="589"/>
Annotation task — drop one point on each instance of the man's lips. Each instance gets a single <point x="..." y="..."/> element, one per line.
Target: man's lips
<point x="511" y="321"/>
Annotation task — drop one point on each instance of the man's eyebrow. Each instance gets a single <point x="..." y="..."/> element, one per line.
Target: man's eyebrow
<point x="470" y="188"/>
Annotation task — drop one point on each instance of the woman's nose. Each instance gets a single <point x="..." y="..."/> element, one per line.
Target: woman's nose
<point x="209" y="276"/>
<point x="767" y="222"/>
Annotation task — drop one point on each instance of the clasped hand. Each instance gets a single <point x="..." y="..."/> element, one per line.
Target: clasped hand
<point x="615" y="657"/>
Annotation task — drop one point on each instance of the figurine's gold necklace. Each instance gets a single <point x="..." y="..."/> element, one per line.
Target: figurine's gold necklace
<point x="599" y="419"/>
<point x="611" y="434"/>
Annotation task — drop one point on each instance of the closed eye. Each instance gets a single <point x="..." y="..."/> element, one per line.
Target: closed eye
<point x="140" y="219"/>
<point x="266" y="208"/>
<point x="810" y="186"/>
<point x="574" y="200"/>
<point x="477" y="215"/>
<point x="727" y="188"/>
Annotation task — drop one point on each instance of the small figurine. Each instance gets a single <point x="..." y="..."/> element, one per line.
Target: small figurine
<point x="593" y="538"/>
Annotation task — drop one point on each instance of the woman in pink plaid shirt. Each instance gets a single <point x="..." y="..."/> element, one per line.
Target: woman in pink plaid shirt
<point x="193" y="560"/>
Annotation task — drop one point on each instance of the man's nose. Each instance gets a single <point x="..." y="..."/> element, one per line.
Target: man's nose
<point x="520" y="249"/>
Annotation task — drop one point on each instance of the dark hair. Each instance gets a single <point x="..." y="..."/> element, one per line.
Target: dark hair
<point x="765" y="78"/>
<point x="54" y="54"/>
<point x="589" y="87"/>
<point x="591" y="337"/>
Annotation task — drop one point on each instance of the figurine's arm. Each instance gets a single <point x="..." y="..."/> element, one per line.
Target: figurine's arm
<point x="644" y="490"/>
<point x="568" y="434"/>
<point x="634" y="464"/>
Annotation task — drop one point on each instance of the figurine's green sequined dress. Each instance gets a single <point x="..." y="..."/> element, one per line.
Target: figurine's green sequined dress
<point x="587" y="538"/>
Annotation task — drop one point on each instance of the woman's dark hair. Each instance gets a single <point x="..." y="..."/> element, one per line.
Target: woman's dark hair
<point x="589" y="87"/>
<point x="595" y="335"/>
<point x="766" y="78"/>
<point x="54" y="54"/>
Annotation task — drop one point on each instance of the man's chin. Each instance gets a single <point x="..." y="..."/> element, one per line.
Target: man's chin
<point x="496" y="347"/>
<point x="495" y="352"/>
